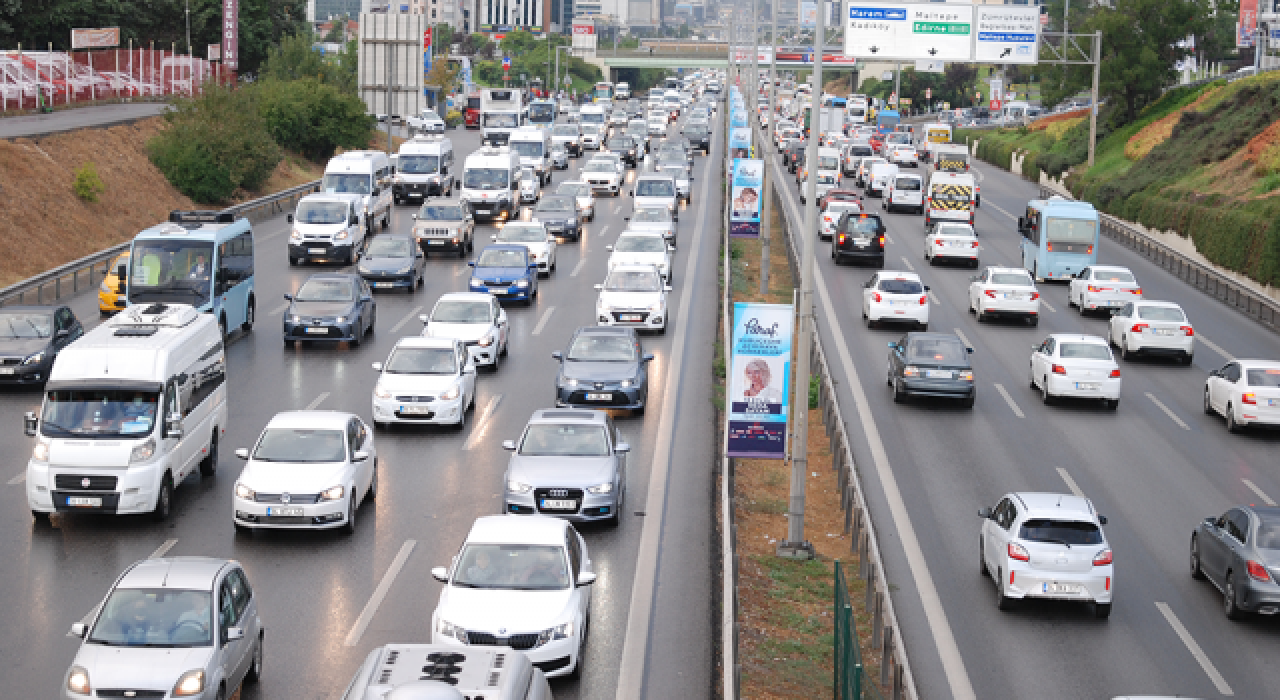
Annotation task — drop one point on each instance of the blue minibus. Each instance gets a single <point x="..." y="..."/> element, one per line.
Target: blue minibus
<point x="1059" y="238"/>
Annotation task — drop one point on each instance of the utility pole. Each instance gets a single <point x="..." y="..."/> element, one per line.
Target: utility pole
<point x="767" y="152"/>
<point x="390" y="48"/>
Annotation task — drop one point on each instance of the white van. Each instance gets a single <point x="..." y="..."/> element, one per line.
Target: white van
<point x="131" y="409"/>
<point x="439" y="672"/>
<point x="878" y="181"/>
<point x="950" y="197"/>
<point x="326" y="227"/>
<point x="490" y="182"/>
<point x="366" y="173"/>
<point x="905" y="192"/>
<point x="423" y="167"/>
<point x="533" y="145"/>
<point x="656" y="190"/>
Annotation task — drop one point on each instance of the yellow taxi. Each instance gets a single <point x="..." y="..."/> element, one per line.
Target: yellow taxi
<point x="109" y="299"/>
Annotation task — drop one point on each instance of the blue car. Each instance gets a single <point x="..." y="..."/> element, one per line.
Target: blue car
<point x="507" y="272"/>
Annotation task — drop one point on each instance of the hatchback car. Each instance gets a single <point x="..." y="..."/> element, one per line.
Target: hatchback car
<point x="1239" y="552"/>
<point x="1075" y="366"/>
<point x="507" y="272"/>
<point x="633" y="295"/>
<point x="393" y="262"/>
<point x="444" y="226"/>
<point x="330" y="306"/>
<point x="603" y="367"/>
<point x="953" y="242"/>
<point x="1004" y="291"/>
<point x="559" y="156"/>
<point x="31" y="338"/>
<point x="603" y="176"/>
<point x="560" y="215"/>
<point x="530" y="186"/>
<point x="1153" y="328"/>
<point x="308" y="470"/>
<point x="829" y="219"/>
<point x="534" y="237"/>
<point x="425" y="380"/>
<point x="584" y="198"/>
<point x="858" y="236"/>
<point x="1103" y="288"/>
<point x="623" y="147"/>
<point x="177" y="627"/>
<point x="1047" y="545"/>
<point x="642" y="248"/>
<point x="931" y="364"/>
<point x="895" y="296"/>
<point x="654" y="219"/>
<point x="567" y="463"/>
<point x="521" y="583"/>
<point x="476" y="319"/>
<point x="1246" y="392"/>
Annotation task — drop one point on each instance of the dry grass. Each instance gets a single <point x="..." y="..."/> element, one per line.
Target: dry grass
<point x="1155" y="133"/>
<point x="1045" y="122"/>
<point x="1263" y="151"/>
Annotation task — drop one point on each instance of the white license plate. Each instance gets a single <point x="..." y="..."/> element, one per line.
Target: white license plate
<point x="1273" y="402"/>
<point x="284" y="511"/>
<point x="381" y="285"/>
<point x="6" y="370"/>
<point x="1162" y="331"/>
<point x="435" y="242"/>
<point x="599" y="397"/>
<point x="862" y="243"/>
<point x="629" y="317"/>
<point x="1088" y="386"/>
<point x="318" y="331"/>
<point x="482" y="211"/>
<point x="1060" y="588"/>
<point x="415" y="410"/>
<point x="938" y="373"/>
<point x="559" y="505"/>
<point x="84" y="501"/>
<point x="316" y="251"/>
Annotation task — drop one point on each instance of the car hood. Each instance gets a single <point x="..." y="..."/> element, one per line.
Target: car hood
<point x="629" y="300"/>
<point x="517" y="612"/>
<point x="279" y="477"/>
<point x="645" y="201"/>
<point x="322" y="309"/>
<point x="417" y="384"/>
<point x="654" y="226"/>
<point x="139" y="667"/>
<point x="587" y="371"/>
<point x="501" y="273"/>
<point x="22" y="346"/>
<point x="570" y="472"/>
<point x="462" y="331"/>
<point x="385" y="264"/>
<point x="655" y="259"/>
<point x="534" y="248"/>
<point x="556" y="217"/>
<point x="319" y="229"/>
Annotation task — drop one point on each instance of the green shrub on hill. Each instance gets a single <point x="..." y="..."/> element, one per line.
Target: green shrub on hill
<point x="313" y="118"/>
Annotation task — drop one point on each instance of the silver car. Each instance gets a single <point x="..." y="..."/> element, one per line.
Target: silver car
<point x="678" y="170"/>
<point x="654" y="220"/>
<point x="175" y="627"/>
<point x="585" y="196"/>
<point x="568" y="463"/>
<point x="559" y="156"/>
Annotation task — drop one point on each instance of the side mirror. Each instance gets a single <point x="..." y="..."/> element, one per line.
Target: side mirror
<point x="242" y="452"/>
<point x="288" y="217"/>
<point x="471" y="263"/>
<point x="631" y="193"/>
<point x="30" y="423"/>
<point x="926" y="288"/>
<point x="1211" y="521"/>
<point x="674" y="217"/>
<point x="440" y="574"/>
<point x="424" y="318"/>
<point x="173" y="426"/>
<point x="235" y="634"/>
<point x="412" y="216"/>
<point x="557" y="355"/>
<point x="666" y="287"/>
<point x="79" y="629"/>
<point x="377" y="366"/>
<point x="494" y="237"/>
<point x="969" y="350"/>
<point x="360" y="456"/>
<point x="468" y="368"/>
<point x="598" y="286"/>
<point x="647" y="357"/>
<point x="893" y="345"/>
<point x="984" y="513"/>
<point x="586" y="578"/>
<point x="509" y="445"/>
<point x="1102" y="520"/>
<point x="622" y="447"/>
<point x="288" y="297"/>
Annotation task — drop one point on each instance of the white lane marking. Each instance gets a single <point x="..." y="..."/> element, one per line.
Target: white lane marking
<point x="1218" y="681"/>
<point x="281" y="308"/>
<point x="317" y="400"/>
<point x="1259" y="492"/>
<point x="482" y="425"/>
<point x="163" y="549"/>
<point x="1214" y="347"/>
<point x="366" y="615"/>
<point x="18" y="479"/>
<point x="1046" y="305"/>
<point x="407" y="318"/>
<point x="1071" y="483"/>
<point x="963" y="338"/>
<point x="908" y="263"/>
<point x="1000" y="209"/>
<point x="542" y="322"/>
<point x="1167" y="411"/>
<point x="888" y="239"/>
<point x="933" y="297"/>
<point x="1009" y="400"/>
<point x="578" y="268"/>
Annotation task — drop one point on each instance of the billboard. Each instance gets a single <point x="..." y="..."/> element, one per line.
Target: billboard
<point x="1247" y="25"/>
<point x="747" y="188"/>
<point x="808" y="15"/>
<point x="231" y="34"/>
<point x="95" y="38"/>
<point x="759" y="380"/>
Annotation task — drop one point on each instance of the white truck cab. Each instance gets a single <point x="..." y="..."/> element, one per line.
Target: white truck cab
<point x="424" y="167"/>
<point x="366" y="173"/>
<point x="326" y="227"/>
<point x="533" y="145"/>
<point x="442" y="672"/>
<point x="501" y="112"/>
<point x="491" y="182"/>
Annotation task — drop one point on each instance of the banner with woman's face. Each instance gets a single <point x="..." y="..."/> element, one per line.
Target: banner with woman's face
<point x="759" y="374"/>
<point x="746" y="190"/>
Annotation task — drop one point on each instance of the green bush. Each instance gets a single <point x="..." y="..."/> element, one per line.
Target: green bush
<point x="311" y="117"/>
<point x="87" y="184"/>
<point x="1031" y="166"/>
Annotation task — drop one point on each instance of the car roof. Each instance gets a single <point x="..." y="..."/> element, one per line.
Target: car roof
<point x="505" y="529"/>
<point x="1259" y="364"/>
<point x="1153" y="302"/>
<point x="999" y="268"/>
<point x="635" y="267"/>
<point x="334" y="420"/>
<point x="576" y="415"/>
<point x="927" y="335"/>
<point x="332" y="275"/>
<point x="182" y="573"/>
<point x="506" y="246"/>
<point x="1055" y="505"/>
<point x="1078" y="338"/>
<point x="898" y="275"/>
<point x="466" y="296"/>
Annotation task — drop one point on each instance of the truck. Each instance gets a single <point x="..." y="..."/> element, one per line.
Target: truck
<point x="500" y="114"/>
<point x="856" y="108"/>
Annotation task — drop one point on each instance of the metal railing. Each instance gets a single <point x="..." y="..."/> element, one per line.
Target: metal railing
<point x="87" y="272"/>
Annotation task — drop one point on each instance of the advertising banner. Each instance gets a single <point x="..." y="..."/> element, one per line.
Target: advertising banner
<point x="95" y="38"/>
<point x="759" y="380"/>
<point x="231" y="34"/>
<point x="747" y="187"/>
<point x="808" y="14"/>
<point x="1248" y="23"/>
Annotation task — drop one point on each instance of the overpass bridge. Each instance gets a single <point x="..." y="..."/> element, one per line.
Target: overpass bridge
<point x="715" y="54"/>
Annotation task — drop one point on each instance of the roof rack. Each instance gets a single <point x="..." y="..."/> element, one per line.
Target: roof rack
<point x="201" y="216"/>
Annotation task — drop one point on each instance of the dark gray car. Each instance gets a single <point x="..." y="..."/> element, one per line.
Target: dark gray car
<point x="393" y="262"/>
<point x="559" y="213"/>
<point x="1239" y="552"/>
<point x="603" y="367"/>
<point x="331" y="306"/>
<point x="30" y="338"/>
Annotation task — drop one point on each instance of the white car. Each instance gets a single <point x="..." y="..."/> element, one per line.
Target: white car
<point x="1004" y="291"/>
<point x="309" y="470"/>
<point x="1247" y="392"/>
<point x="583" y="195"/>
<point x="636" y="248"/>
<point x="475" y="318"/>
<point x="905" y="156"/>
<point x="827" y="180"/>
<point x="603" y="176"/>
<point x="530" y="186"/>
<point x="613" y="159"/>
<point x="534" y="236"/>
<point x="1103" y="288"/>
<point x="657" y="125"/>
<point x="897" y="296"/>
<point x="1076" y="366"/>
<point x="522" y="583"/>
<point x="633" y="295"/>
<point x="428" y="123"/>
<point x="952" y="242"/>
<point x="905" y="192"/>
<point x="592" y="136"/>
<point x="1047" y="545"/>
<point x="831" y="217"/>
<point x="425" y="380"/>
<point x="1152" y="328"/>
<point x="653" y="219"/>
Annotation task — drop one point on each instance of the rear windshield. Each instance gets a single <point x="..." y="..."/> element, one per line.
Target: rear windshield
<point x="1112" y="276"/>
<point x="1160" y="313"/>
<point x="1085" y="351"/>
<point x="1263" y="377"/>
<point x="1071" y="532"/>
<point x="901" y="287"/>
<point x="946" y="351"/>
<point x="907" y="184"/>
<point x="1268" y="529"/>
<point x="1011" y="278"/>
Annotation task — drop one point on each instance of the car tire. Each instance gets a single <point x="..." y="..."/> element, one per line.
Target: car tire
<point x="899" y="396"/>
<point x="1003" y="602"/>
<point x="248" y="316"/>
<point x="1125" y="353"/>
<point x="982" y="315"/>
<point x="349" y="527"/>
<point x="1102" y="610"/>
<point x="1112" y="404"/>
<point x="1229" y="605"/>
<point x="254" y="674"/>
<point x="209" y="465"/>
<point x="1187" y="358"/>
<point x="1033" y="321"/>
<point x="1208" y="405"/>
<point x="968" y="401"/>
<point x="982" y="559"/>
<point x="294" y="262"/>
<point x="1232" y="425"/>
<point x="1045" y="396"/>
<point x="222" y="327"/>
<point x="40" y="517"/>
<point x="164" y="500"/>
<point x="1197" y="572"/>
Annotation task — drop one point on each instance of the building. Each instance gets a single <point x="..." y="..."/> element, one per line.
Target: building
<point x="323" y="10"/>
<point x="510" y="15"/>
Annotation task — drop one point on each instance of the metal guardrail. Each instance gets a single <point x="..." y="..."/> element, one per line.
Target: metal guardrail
<point x="1260" y="308"/>
<point x="85" y="273"/>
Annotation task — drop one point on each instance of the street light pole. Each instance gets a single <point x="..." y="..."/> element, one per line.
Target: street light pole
<point x="767" y="153"/>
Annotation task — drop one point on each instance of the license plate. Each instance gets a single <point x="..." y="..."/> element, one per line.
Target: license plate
<point x="382" y="285"/>
<point x="629" y="317"/>
<point x="415" y="410"/>
<point x="559" y="505"/>
<point x="1162" y="331"/>
<point x="284" y="511"/>
<point x="316" y="251"/>
<point x="6" y="370"/>
<point x="482" y="211"/>
<point x="938" y="373"/>
<point x="599" y="397"/>
<point x="862" y="243"/>
<point x="1087" y="386"/>
<point x="435" y="242"/>
<point x="84" y="501"/>
<point x="1059" y="588"/>
<point x="318" y="331"/>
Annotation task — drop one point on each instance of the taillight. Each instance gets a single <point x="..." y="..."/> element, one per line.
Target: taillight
<point x="1034" y="295"/>
<point x="1049" y="246"/>
<point x="841" y="239"/>
<point x="1139" y="327"/>
<point x="882" y="241"/>
<point x="1257" y="571"/>
<point x="875" y="296"/>
<point x="1090" y="251"/>
<point x="1187" y="330"/>
<point x="991" y="294"/>
<point x="924" y="299"/>
<point x="1136" y="290"/>
<point x="974" y="244"/>
<point x="1099" y="289"/>
<point x="938" y="241"/>
<point x="1017" y="551"/>
<point x="1115" y="374"/>
<point x="1102" y="558"/>
<point x="1059" y="369"/>
<point x="1251" y="399"/>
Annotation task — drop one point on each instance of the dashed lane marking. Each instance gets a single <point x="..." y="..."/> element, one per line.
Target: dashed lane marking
<point x="1071" y="483"/>
<point x="542" y="322"/>
<point x="1259" y="492"/>
<point x="482" y="425"/>
<point x="1167" y="411"/>
<point x="317" y="401"/>
<point x="1218" y="681"/>
<point x="407" y="317"/>
<point x="1013" y="405"/>
<point x="370" y="608"/>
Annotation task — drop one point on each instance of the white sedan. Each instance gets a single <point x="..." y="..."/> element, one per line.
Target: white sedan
<point x="831" y="217"/>
<point x="892" y="295"/>
<point x="1152" y="328"/>
<point x="1247" y="392"/>
<point x="1103" y="288"/>
<point x="475" y="318"/>
<point x="602" y="176"/>
<point x="636" y="248"/>
<point x="1004" y="291"/>
<point x="1075" y="366"/>
<point x="309" y="469"/>
<point x="633" y="295"/>
<point x="952" y="242"/>
<point x="425" y="380"/>
<point x="534" y="236"/>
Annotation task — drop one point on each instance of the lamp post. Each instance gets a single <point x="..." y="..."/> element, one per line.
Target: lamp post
<point x="770" y="109"/>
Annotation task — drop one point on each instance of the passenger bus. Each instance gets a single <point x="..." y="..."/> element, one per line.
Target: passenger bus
<point x="887" y="120"/>
<point x="201" y="258"/>
<point x="604" y="91"/>
<point x="1059" y="238"/>
<point x="471" y="113"/>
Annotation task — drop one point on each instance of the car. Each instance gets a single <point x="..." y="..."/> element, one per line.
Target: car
<point x="1071" y="365"/>
<point x="111" y="290"/>
<point x="613" y="159"/>
<point x="896" y="296"/>
<point x="31" y="338"/>
<point x="505" y="271"/>
<point x="584" y="198"/>
<point x="1246" y="392"/>
<point x="393" y="262"/>
<point x="904" y="155"/>
<point x="1006" y="292"/>
<point x="1152" y="328"/>
<point x="308" y="470"/>
<point x="863" y="176"/>
<point x="905" y="192"/>
<point x="657" y="124"/>
<point x="678" y="171"/>
<point x="445" y="226"/>
<point x="656" y="189"/>
<point x="559" y="156"/>
<point x="534" y="236"/>
<point x="654" y="219"/>
<point x="829" y="219"/>
<point x="559" y="214"/>
<point x="793" y="155"/>
<point x="1047" y="545"/>
<point x="948" y="241"/>
<point x="428" y="122"/>
<point x="180" y="626"/>
<point x="592" y="136"/>
<point x="568" y="463"/>
<point x="633" y="295"/>
<point x="859" y="236"/>
<point x="522" y="583"/>
<point x="1103" y="288"/>
<point x="330" y="306"/>
<point x="425" y="380"/>
<point x="931" y="364"/>
<point x="569" y="136"/>
<point x="700" y="136"/>
<point x="603" y="176"/>
<point x="530" y="186"/>
<point x="642" y="248"/>
<point x="476" y="319"/>
<point x="1239" y="552"/>
<point x="827" y="180"/>
<point x="623" y="147"/>
<point x="839" y="195"/>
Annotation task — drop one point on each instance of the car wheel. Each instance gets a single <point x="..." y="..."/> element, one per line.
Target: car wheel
<point x="209" y="465"/>
<point x="1125" y="353"/>
<point x="462" y="420"/>
<point x="969" y="401"/>
<point x="982" y="315"/>
<point x="1187" y="358"/>
<point x="350" y="526"/>
<point x="255" y="666"/>
<point x="1112" y="404"/>
<point x="40" y="517"/>
<point x="1045" y="396"/>
<point x="1003" y="602"/>
<point x="1208" y="405"/>
<point x="1033" y="320"/>
<point x="1197" y="573"/>
<point x="982" y="559"/>
<point x="222" y="327"/>
<point x="164" y="500"/>
<point x="293" y="262"/>
<point x="1232" y="425"/>
<point x="1229" y="606"/>
<point x="373" y="482"/>
<point x="899" y="396"/>
<point x="497" y="360"/>
<point x="1102" y="610"/>
<point x="871" y="323"/>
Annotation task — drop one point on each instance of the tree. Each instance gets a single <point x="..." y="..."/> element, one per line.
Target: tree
<point x="338" y="33"/>
<point x="294" y="58"/>
<point x="1141" y="40"/>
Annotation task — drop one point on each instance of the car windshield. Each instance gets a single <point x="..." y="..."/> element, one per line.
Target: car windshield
<point x="134" y="617"/>
<point x="826" y="179"/>
<point x="501" y="258"/>
<point x="1071" y="532"/>
<point x="1268" y="531"/>
<point x="633" y="281"/>
<point x="499" y="120"/>
<point x="99" y="413"/>
<point x="418" y="165"/>
<point x="430" y="115"/>
<point x="640" y="244"/>
<point x="574" y="189"/>
<point x="528" y="149"/>
<point x="558" y="205"/>
<point x="390" y="248"/>
<point x="326" y="289"/>
<point x="565" y="130"/>
<point x="897" y="286"/>
<point x="1263" y="377"/>
<point x="1160" y="313"/>
<point x="600" y="166"/>
<point x="522" y="234"/>
<point x="461" y="312"/>
<point x="25" y="325"/>
<point x="1059" y="230"/>
<point x="486" y="178"/>
<point x="527" y="176"/>
<point x="177" y="271"/>
<point x="1012" y="278"/>
<point x="542" y="112"/>
<point x="1084" y="351"/>
<point x="591" y="347"/>
<point x="521" y="567"/>
<point x="907" y="184"/>
<point x="565" y="440"/>
<point x="300" y="445"/>
<point x="963" y="231"/>
<point x="407" y="360"/>
<point x="943" y="351"/>
<point x="828" y="162"/>
<point x="354" y="183"/>
<point x="590" y="128"/>
<point x="1113" y="276"/>
<point x="321" y="213"/>
<point x="655" y="188"/>
<point x="676" y="170"/>
<point x="435" y="212"/>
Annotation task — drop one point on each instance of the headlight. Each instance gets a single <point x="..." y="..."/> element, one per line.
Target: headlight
<point x="244" y="492"/>
<point x="332" y="494"/>
<point x="476" y="282"/>
<point x="191" y="683"/>
<point x="448" y="629"/>
<point x="34" y="359"/>
<point x="486" y="341"/>
<point x="564" y="631"/>
<point x="342" y="236"/>
<point x="78" y="681"/>
<point x="381" y="392"/>
<point x="522" y="283"/>
<point x="143" y="452"/>
<point x="295" y="319"/>
<point x="966" y="375"/>
<point x="626" y="383"/>
<point x="41" y="451"/>
<point x="910" y="371"/>
<point x="452" y="393"/>
<point x="517" y="487"/>
<point x="340" y="319"/>
<point x="570" y="382"/>
<point x="602" y="488"/>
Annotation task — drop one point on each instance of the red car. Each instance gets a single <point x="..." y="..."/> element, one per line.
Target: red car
<point x="472" y="113"/>
<point x="838" y="196"/>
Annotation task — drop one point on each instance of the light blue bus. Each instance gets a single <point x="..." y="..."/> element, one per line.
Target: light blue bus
<point x="1059" y="238"/>
<point x="201" y="258"/>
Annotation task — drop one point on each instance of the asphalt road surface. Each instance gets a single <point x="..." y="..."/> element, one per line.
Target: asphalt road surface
<point x="27" y="125"/>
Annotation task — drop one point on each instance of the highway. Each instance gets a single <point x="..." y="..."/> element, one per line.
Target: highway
<point x="316" y="591"/>
<point x="1155" y="468"/>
